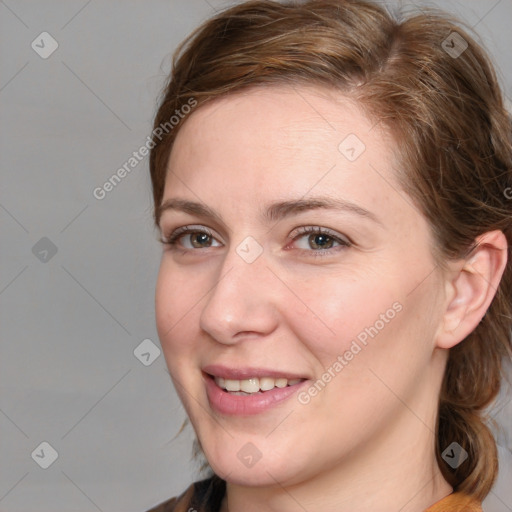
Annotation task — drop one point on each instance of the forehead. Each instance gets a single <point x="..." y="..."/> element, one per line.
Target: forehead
<point x="274" y="128"/>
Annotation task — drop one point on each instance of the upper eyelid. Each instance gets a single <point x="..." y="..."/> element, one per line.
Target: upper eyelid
<point x="183" y="228"/>
<point x="187" y="230"/>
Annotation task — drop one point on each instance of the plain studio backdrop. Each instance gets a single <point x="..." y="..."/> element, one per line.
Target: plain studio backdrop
<point x="87" y="411"/>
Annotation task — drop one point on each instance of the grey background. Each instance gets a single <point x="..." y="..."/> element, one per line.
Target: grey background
<point x="69" y="325"/>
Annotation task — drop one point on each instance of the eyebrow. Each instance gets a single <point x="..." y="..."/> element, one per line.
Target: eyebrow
<point x="275" y="211"/>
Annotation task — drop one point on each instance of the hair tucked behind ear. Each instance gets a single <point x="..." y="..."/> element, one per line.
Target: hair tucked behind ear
<point x="441" y="102"/>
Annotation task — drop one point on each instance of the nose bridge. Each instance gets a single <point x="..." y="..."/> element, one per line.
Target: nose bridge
<point x="243" y="268"/>
<point x="241" y="299"/>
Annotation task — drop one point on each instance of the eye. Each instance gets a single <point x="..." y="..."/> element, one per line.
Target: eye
<point x="191" y="237"/>
<point x="316" y="239"/>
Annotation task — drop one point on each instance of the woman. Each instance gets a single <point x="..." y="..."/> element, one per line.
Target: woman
<point x="334" y="293"/>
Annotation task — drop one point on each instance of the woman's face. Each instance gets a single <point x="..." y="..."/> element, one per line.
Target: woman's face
<point x="306" y="272"/>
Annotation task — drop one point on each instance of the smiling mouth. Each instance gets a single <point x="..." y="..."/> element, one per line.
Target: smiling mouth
<point x="254" y="385"/>
<point x="246" y="392"/>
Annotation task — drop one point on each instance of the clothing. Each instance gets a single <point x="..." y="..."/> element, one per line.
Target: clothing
<point x="207" y="495"/>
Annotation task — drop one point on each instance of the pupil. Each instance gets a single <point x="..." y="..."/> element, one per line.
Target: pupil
<point x="320" y="241"/>
<point x="200" y="240"/>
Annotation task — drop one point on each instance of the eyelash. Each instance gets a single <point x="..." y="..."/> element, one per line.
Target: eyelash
<point x="172" y="239"/>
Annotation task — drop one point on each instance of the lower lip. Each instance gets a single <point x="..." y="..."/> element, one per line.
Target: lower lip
<point x="239" y="405"/>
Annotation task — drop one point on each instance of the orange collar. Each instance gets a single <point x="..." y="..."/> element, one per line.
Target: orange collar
<point x="207" y="495"/>
<point x="456" y="502"/>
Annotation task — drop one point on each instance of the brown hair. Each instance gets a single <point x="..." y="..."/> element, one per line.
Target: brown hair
<point x="440" y="101"/>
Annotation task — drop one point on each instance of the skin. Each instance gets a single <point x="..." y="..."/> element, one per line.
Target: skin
<point x="371" y="428"/>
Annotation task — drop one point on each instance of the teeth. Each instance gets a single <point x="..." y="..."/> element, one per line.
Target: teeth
<point x="232" y="385"/>
<point x="266" y="383"/>
<point x="250" y="385"/>
<point x="254" y="385"/>
<point x="281" y="383"/>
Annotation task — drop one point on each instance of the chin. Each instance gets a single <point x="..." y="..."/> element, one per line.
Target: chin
<point x="248" y="466"/>
<point x="264" y="473"/>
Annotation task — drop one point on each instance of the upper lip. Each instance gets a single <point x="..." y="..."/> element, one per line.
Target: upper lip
<point x="242" y="373"/>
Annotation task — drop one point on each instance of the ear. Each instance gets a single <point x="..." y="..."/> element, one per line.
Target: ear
<point x="471" y="287"/>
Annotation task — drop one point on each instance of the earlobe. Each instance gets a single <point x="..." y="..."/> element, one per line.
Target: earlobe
<point x="472" y="286"/>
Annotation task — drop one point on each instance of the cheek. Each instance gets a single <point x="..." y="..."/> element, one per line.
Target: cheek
<point x="365" y="321"/>
<point x="176" y="302"/>
<point x="379" y="343"/>
<point x="334" y="312"/>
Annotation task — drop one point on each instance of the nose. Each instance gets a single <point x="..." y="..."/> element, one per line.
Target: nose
<point x="242" y="302"/>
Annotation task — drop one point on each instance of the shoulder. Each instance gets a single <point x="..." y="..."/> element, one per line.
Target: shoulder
<point x="203" y="496"/>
